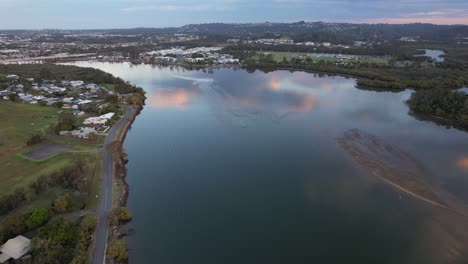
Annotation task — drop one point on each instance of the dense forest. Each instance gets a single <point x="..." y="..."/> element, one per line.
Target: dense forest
<point x="376" y="75"/>
<point x="444" y="104"/>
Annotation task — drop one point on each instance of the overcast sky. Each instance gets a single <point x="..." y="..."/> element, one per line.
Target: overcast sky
<point x="86" y="14"/>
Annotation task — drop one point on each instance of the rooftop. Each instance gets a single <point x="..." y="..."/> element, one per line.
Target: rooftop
<point x="15" y="248"/>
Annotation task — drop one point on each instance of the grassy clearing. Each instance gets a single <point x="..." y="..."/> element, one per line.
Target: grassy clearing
<point x="108" y="86"/>
<point x="19" y="173"/>
<point x="18" y="122"/>
<point x="96" y="183"/>
<point x="279" y="56"/>
<point x="43" y="200"/>
<point x="85" y="147"/>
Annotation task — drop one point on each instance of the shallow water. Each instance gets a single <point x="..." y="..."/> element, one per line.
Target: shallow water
<point x="235" y="167"/>
<point x="436" y="55"/>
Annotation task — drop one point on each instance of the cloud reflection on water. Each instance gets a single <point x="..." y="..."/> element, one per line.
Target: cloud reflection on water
<point x="462" y="163"/>
<point x="173" y="97"/>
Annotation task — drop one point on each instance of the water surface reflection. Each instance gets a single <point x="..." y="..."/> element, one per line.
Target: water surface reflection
<point x="250" y="172"/>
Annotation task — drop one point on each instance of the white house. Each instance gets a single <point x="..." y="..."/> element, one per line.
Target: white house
<point x="76" y="84"/>
<point x="15" y="248"/>
<point x="12" y="76"/>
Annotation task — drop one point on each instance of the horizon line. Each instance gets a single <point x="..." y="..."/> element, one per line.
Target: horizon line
<point x="235" y="23"/>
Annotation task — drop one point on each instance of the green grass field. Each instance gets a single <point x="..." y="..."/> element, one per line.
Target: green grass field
<point x="278" y="56"/>
<point x="18" y="122"/>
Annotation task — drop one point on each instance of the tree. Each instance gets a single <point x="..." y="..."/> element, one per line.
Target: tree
<point x="88" y="223"/>
<point x="37" y="218"/>
<point x="35" y="139"/>
<point x="112" y="98"/>
<point x="66" y="122"/>
<point x="62" y="203"/>
<point x="15" y="225"/>
<point x="14" y="97"/>
<point x="55" y="242"/>
<point x="135" y="99"/>
<point x="120" y="215"/>
<point x="45" y="73"/>
<point x="117" y="250"/>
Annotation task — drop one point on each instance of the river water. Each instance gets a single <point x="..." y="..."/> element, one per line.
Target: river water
<point x="236" y="167"/>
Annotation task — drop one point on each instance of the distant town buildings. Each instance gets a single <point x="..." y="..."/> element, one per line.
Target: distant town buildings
<point x="198" y="55"/>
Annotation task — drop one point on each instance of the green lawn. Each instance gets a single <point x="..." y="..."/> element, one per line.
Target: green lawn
<point x="96" y="182"/>
<point x="108" y="86"/>
<point x="18" y="172"/>
<point x="278" y="56"/>
<point x="18" y="122"/>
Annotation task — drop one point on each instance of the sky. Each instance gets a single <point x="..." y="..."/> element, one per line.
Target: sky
<point x="103" y="14"/>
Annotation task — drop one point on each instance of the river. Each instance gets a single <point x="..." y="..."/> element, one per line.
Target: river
<point x="228" y="166"/>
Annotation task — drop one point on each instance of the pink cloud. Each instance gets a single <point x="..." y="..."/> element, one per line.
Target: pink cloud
<point x="432" y="20"/>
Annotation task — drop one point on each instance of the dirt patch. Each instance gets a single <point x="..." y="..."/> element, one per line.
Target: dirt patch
<point x="46" y="151"/>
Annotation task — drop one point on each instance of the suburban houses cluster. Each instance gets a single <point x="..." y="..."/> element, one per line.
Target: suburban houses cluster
<point x="91" y="126"/>
<point x="282" y="41"/>
<point x="80" y="98"/>
<point x="46" y="45"/>
<point x="198" y="55"/>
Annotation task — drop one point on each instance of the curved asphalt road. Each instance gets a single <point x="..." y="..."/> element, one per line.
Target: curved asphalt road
<point x="105" y="205"/>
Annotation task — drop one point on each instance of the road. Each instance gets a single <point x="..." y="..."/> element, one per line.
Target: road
<point x="52" y="57"/>
<point x="105" y="204"/>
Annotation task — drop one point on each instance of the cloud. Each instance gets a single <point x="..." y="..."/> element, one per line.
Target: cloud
<point x="442" y="17"/>
<point x="180" y="7"/>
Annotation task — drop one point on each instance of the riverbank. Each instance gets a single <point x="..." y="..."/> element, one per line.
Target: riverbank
<point x="122" y="171"/>
<point x="113" y="167"/>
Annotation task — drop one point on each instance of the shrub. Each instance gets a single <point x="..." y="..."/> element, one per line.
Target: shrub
<point x="37" y="218"/>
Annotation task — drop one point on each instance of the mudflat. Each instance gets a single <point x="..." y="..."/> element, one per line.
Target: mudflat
<point x="393" y="166"/>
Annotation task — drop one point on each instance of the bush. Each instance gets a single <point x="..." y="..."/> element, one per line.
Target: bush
<point x="55" y="242"/>
<point x="120" y="215"/>
<point x="12" y="201"/>
<point x="37" y="218"/>
<point x="66" y="122"/>
<point x="117" y="250"/>
<point x="14" y="98"/>
<point x="15" y="225"/>
<point x="35" y="139"/>
<point x="62" y="203"/>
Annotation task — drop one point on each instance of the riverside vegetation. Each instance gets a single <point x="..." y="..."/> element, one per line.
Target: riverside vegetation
<point x="52" y="200"/>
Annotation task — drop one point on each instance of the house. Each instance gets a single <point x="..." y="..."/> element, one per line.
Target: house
<point x="56" y="89"/>
<point x="97" y="122"/>
<point x="107" y="116"/>
<point x="51" y="101"/>
<point x="12" y="77"/>
<point x="76" y="84"/>
<point x="83" y="133"/>
<point x="67" y="100"/>
<point x="78" y="113"/>
<point x="15" y="248"/>
<point x="26" y="98"/>
<point x="85" y="102"/>
<point x="463" y="90"/>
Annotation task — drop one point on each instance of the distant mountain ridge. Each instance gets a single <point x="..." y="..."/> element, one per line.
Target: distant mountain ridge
<point x="355" y="31"/>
